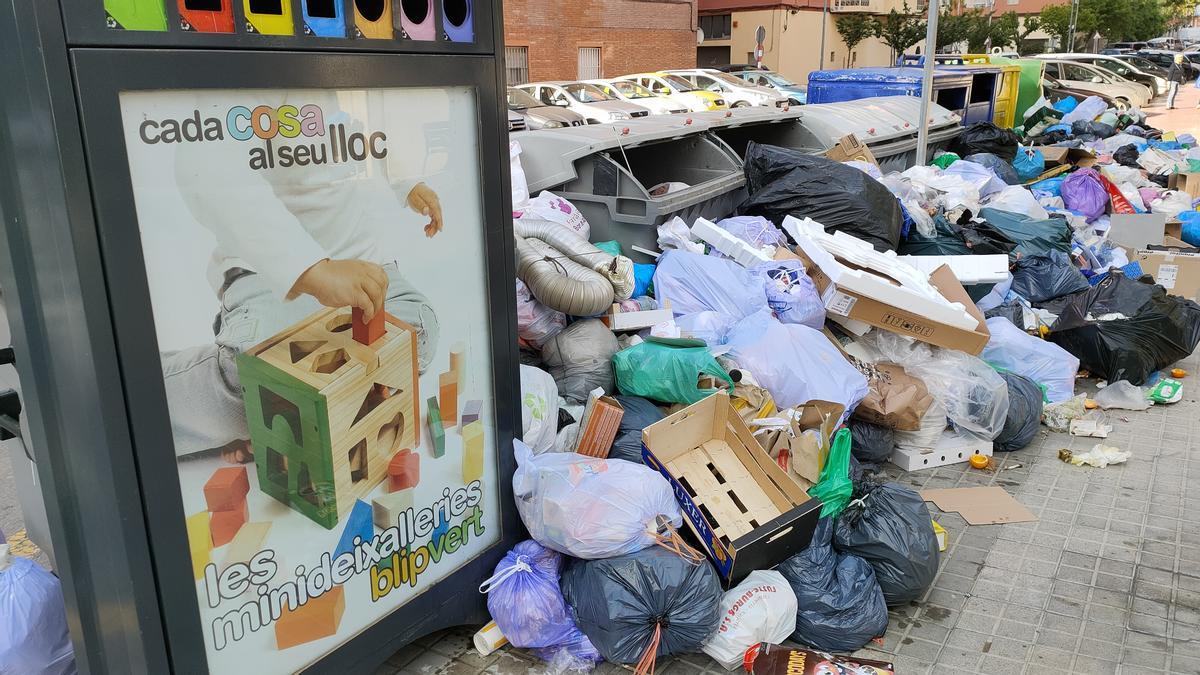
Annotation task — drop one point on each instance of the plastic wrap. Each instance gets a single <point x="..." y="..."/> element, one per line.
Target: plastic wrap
<point x="696" y="283"/>
<point x="1002" y="169"/>
<point x="1032" y="235"/>
<point x="840" y="605"/>
<point x="1123" y="329"/>
<point x="1024" y="414"/>
<point x="588" y="507"/>
<point x="1043" y="362"/>
<point x="797" y="364"/>
<point x="889" y="526"/>
<point x="784" y="182"/>
<point x="712" y="327"/>
<point x="539" y="409"/>
<point x="1124" y="395"/>
<point x="666" y="373"/>
<point x="580" y="359"/>
<point x="762" y="608"/>
<point x="1039" y="278"/>
<point x="791" y="295"/>
<point x="622" y="603"/>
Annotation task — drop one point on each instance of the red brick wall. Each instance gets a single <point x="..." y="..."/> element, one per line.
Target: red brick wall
<point x="634" y="35"/>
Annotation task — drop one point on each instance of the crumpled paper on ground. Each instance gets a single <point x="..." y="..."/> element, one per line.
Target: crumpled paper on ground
<point x="1099" y="456"/>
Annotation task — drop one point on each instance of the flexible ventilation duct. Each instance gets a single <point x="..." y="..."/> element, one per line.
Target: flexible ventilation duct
<point x="566" y="272"/>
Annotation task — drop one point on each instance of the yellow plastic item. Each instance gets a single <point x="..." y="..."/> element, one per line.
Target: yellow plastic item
<point x="472" y="458"/>
<point x="1004" y="114"/>
<point x="269" y="23"/>
<point x="1178" y="373"/>
<point x="979" y="461"/>
<point x="941" y="536"/>
<point x="1090" y="404"/>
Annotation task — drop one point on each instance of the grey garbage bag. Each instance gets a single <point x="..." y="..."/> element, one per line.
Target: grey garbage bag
<point x="1003" y="170"/>
<point x="620" y="603"/>
<point x="1024" y="413"/>
<point x="580" y="359"/>
<point x="889" y="526"/>
<point x="839" y="604"/>
<point x="870" y="443"/>
<point x="639" y="414"/>
<point x="1047" y="276"/>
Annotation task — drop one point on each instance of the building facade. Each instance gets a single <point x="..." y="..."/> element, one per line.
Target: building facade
<point x="583" y="39"/>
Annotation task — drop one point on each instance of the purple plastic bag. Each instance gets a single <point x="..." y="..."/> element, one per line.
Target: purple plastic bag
<point x="1083" y="193"/>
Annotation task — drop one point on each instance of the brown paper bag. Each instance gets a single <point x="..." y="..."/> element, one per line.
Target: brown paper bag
<point x="895" y="399"/>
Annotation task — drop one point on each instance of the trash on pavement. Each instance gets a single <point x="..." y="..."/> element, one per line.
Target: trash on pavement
<point x="587" y="507"/>
<point x="536" y="322"/>
<point x="1122" y="394"/>
<point x="799" y="438"/>
<point x="941" y="536"/>
<point x="948" y="447"/>
<point x="488" y="639"/>
<point x="639" y="606"/>
<point x="1043" y="362"/>
<point x="754" y="514"/>
<point x="791" y="294"/>
<point x="1024" y="413"/>
<point x="1166" y="390"/>
<point x="980" y="505"/>
<point x="871" y="444"/>
<point x="1176" y="271"/>
<point x="987" y="137"/>
<point x="770" y="659"/>
<point x="889" y="526"/>
<point x="1092" y="425"/>
<point x="834" y="487"/>
<point x="840" y="606"/>
<point x="639" y="414"/>
<point x="760" y="609"/>
<point x="696" y="283"/>
<point x="599" y="424"/>
<point x="1058" y="416"/>
<point x="1046" y="276"/>
<point x="1099" y="456"/>
<point x="732" y="247"/>
<point x="894" y="399"/>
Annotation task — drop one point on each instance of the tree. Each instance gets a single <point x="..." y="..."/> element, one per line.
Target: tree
<point x="1006" y="30"/>
<point x="1177" y="13"/>
<point x="854" y="28"/>
<point x="1056" y="20"/>
<point x="952" y="28"/>
<point x="1029" y="26"/>
<point x="979" y="30"/>
<point x="900" y="30"/>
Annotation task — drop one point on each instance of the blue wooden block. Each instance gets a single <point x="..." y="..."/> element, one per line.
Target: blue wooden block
<point x="357" y="524"/>
<point x="443" y="526"/>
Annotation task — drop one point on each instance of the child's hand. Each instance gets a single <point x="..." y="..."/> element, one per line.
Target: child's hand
<point x="338" y="283"/>
<point x="424" y="201"/>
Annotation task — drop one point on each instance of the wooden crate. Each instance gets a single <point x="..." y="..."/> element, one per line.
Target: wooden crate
<point x="327" y="413"/>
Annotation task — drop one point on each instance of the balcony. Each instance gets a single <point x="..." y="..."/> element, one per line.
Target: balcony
<point x="862" y="6"/>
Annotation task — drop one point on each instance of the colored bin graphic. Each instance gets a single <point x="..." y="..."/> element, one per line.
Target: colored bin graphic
<point x="269" y="17"/>
<point x="373" y="19"/>
<point x="415" y="19"/>
<point x="324" y="18"/>
<point x="135" y="14"/>
<point x="206" y="16"/>
<point x="458" y="20"/>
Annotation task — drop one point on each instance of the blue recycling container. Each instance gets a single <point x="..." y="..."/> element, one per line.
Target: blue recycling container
<point x="951" y="88"/>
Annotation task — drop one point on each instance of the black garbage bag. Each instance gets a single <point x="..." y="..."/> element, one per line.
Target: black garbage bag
<point x="984" y="239"/>
<point x="1088" y="128"/>
<point x="986" y="137"/>
<point x="839" y="606"/>
<point x="1053" y="137"/>
<point x="784" y="182"/>
<point x="1004" y="171"/>
<point x="639" y="414"/>
<point x="619" y="602"/>
<point x="1032" y="236"/>
<point x="1024" y="413"/>
<point x="1039" y="278"/>
<point x="889" y="526"/>
<point x="1159" y="179"/>
<point x="870" y="443"/>
<point x="1158" y="329"/>
<point x="1127" y="155"/>
<point x="1011" y="310"/>
<point x="947" y="240"/>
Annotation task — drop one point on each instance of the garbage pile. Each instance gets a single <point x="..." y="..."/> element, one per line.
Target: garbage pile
<point x="702" y="431"/>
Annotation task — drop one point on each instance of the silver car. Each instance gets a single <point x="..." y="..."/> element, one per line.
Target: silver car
<point x="539" y="116"/>
<point x="739" y="93"/>
<point x="586" y="99"/>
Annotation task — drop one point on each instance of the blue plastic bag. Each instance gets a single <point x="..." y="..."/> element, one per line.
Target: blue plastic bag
<point x="33" y="620"/>
<point x="791" y="294"/>
<point x="1191" y="227"/>
<point x="1029" y="163"/>
<point x="1066" y="105"/>
<point x="643" y="279"/>
<point x="1050" y="186"/>
<point x="696" y="283"/>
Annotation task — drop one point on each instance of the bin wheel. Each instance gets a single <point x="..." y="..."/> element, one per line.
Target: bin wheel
<point x="740" y="104"/>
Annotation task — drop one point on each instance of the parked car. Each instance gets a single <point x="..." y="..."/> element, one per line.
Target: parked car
<point x="1055" y="90"/>
<point x="1168" y="43"/>
<point x="1128" y="45"/>
<point x="679" y="90"/>
<point x="632" y="92"/>
<point x="1089" y="77"/>
<point x="1143" y="64"/>
<point x="739" y="93"/>
<point x="537" y="115"/>
<point x="797" y="94"/>
<point x="1164" y="58"/>
<point x="1157" y="85"/>
<point x="516" y="121"/>
<point x="585" y="99"/>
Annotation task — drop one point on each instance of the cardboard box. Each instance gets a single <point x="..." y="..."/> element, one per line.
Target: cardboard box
<point x="910" y="320"/>
<point x="1187" y="181"/>
<point x="616" y="320"/>
<point x="1068" y="156"/>
<point x="849" y="148"/>
<point x="799" y="454"/>
<point x="598" y="426"/>
<point x="745" y="511"/>
<point x="1137" y="230"/>
<point x="1175" y="270"/>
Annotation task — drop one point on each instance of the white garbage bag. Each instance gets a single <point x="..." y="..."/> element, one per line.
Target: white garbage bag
<point x="549" y="207"/>
<point x="760" y="609"/>
<point x="1017" y="199"/>
<point x="1043" y="362"/>
<point x="588" y="507"/>
<point x="539" y="409"/>
<point x="697" y="283"/>
<point x="33" y="620"/>
<point x="520" y="189"/>
<point x="536" y="322"/>
<point x="1088" y="109"/>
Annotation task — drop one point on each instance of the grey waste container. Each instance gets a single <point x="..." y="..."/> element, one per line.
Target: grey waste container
<point x="887" y="124"/>
<point x="607" y="171"/>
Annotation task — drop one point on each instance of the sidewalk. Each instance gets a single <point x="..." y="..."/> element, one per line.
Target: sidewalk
<point x="1185" y="118"/>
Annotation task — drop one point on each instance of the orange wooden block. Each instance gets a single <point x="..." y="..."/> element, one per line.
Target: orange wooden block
<point x="367" y="332"/>
<point x="227" y="489"/>
<point x="317" y="619"/>
<point x="224" y="525"/>
<point x="448" y="398"/>
<point x="404" y="471"/>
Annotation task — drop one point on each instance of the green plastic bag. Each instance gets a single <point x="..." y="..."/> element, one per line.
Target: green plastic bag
<point x="944" y="160"/>
<point x="834" y="487"/>
<point x="612" y="247"/>
<point x="664" y="373"/>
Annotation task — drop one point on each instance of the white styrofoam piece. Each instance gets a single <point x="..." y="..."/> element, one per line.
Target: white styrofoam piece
<point x="741" y="252"/>
<point x="970" y="269"/>
<point x="639" y="320"/>
<point x="852" y="326"/>
<point x="950" y="449"/>
<point x="914" y="294"/>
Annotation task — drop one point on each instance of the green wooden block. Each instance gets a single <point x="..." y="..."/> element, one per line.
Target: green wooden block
<point x="437" y="432"/>
<point x="289" y="428"/>
<point x="136" y="14"/>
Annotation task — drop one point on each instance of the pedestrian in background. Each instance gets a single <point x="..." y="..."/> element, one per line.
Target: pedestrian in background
<point x="1176" y="75"/>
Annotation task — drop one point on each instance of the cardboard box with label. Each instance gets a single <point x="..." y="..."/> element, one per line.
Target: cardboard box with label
<point x="744" y="510"/>
<point x="849" y="148"/>
<point x="1176" y="271"/>
<point x="801" y="447"/>
<point x="599" y="425"/>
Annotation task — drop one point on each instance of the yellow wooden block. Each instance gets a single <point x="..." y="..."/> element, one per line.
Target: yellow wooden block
<point x="246" y="543"/>
<point x="199" y="542"/>
<point x="448" y="398"/>
<point x="472" y="437"/>
<point x="458" y="364"/>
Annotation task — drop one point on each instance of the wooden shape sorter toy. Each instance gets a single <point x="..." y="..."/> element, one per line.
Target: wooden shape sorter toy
<point x="326" y="413"/>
